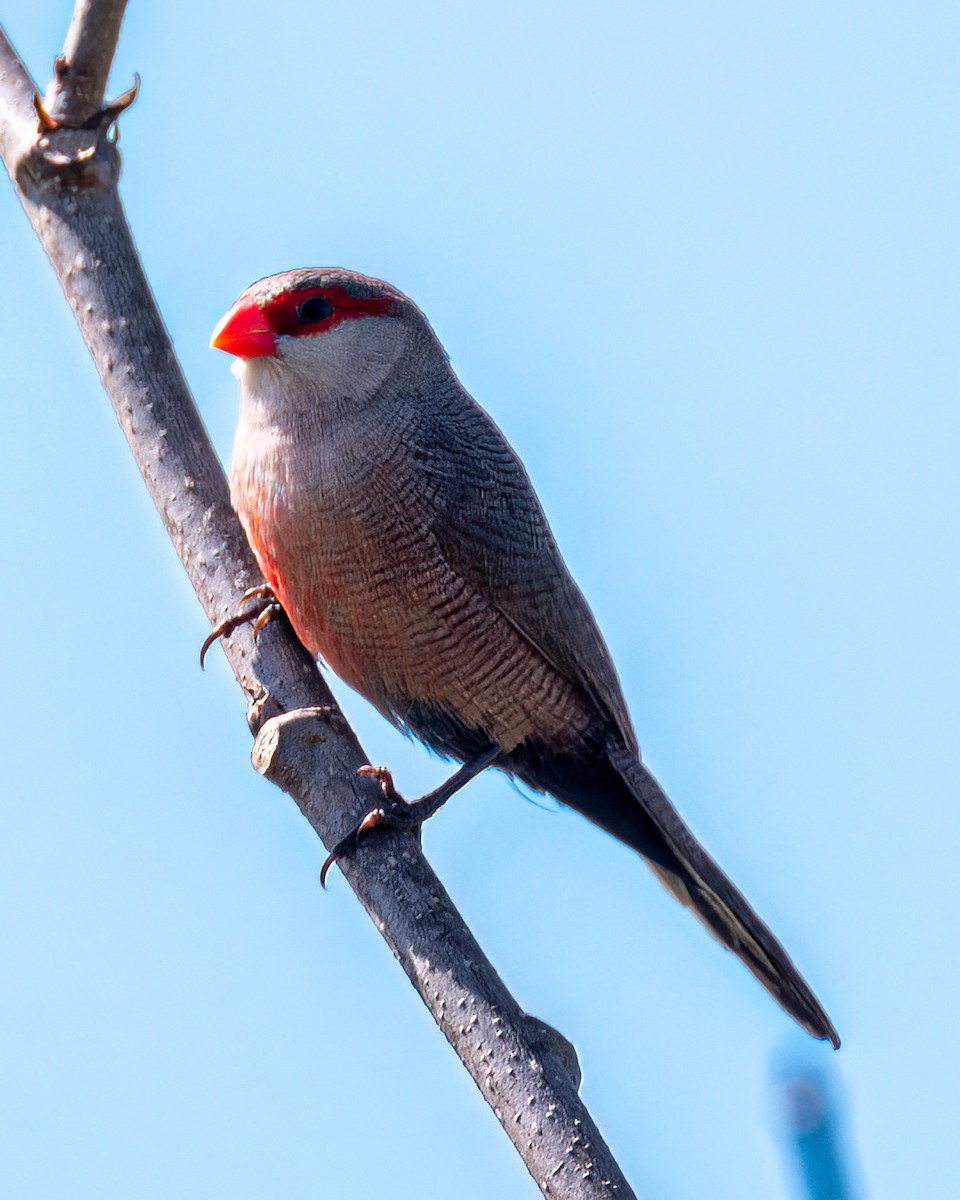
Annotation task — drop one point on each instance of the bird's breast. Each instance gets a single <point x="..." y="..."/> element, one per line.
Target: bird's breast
<point x="353" y="558"/>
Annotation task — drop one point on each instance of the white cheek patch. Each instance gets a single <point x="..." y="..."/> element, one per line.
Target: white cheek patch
<point x="237" y="368"/>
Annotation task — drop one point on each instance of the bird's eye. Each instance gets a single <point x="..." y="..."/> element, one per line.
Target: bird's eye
<point x="317" y="308"/>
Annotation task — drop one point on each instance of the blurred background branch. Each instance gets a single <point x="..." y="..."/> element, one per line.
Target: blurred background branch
<point x="811" y="1130"/>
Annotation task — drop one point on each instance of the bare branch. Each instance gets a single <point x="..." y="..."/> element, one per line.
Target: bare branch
<point x="66" y="180"/>
<point x="81" y="72"/>
<point x="18" y="95"/>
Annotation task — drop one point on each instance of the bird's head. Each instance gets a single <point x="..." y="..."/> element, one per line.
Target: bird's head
<point x="337" y="332"/>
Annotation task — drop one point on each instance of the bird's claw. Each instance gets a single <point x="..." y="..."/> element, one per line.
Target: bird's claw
<point x="395" y="813"/>
<point x="264" y="610"/>
<point x="383" y="776"/>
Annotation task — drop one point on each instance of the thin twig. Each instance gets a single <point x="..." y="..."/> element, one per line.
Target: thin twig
<point x="81" y="72"/>
<point x="66" y="180"/>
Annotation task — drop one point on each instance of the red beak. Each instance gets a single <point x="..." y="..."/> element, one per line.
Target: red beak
<point x="245" y="332"/>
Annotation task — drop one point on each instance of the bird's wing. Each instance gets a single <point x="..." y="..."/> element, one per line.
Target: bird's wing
<point x="491" y="529"/>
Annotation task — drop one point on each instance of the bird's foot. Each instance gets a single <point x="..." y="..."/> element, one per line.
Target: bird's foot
<point x="384" y="777"/>
<point x="397" y="813"/>
<point x="394" y="813"/>
<point x="266" y="607"/>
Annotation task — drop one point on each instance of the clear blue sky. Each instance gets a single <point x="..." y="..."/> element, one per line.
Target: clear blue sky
<point x="700" y="262"/>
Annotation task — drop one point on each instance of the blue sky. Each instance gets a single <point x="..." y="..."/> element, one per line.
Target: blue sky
<point x="700" y="263"/>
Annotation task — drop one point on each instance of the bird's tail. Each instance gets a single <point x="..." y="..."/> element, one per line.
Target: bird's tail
<point x="633" y="807"/>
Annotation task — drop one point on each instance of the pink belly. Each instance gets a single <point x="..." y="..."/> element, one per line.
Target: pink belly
<point x="399" y="624"/>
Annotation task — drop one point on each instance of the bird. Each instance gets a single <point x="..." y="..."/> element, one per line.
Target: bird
<point x="401" y="534"/>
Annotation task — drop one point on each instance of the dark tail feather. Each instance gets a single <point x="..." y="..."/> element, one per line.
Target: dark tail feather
<point x="629" y="803"/>
<point x="697" y="881"/>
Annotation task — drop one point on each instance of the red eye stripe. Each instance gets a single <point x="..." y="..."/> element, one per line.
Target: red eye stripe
<point x="284" y="319"/>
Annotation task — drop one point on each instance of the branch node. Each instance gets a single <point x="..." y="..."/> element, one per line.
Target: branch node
<point x="553" y="1044"/>
<point x="276" y="744"/>
<point x="63" y="159"/>
<point x="103" y="118"/>
<point x="108" y="115"/>
<point x="47" y="123"/>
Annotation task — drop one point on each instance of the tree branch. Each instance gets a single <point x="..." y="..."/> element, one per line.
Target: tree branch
<point x="81" y="72"/>
<point x="66" y="179"/>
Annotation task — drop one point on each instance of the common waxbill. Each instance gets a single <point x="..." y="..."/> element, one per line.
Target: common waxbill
<point x="401" y="535"/>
